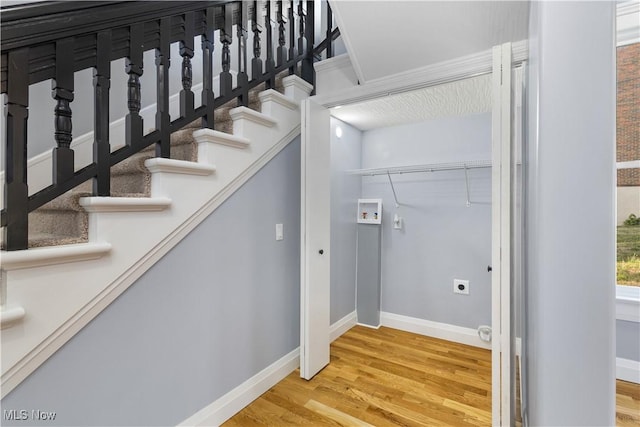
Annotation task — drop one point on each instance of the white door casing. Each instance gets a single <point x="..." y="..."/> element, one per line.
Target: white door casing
<point x="315" y="236"/>
<point x="501" y="182"/>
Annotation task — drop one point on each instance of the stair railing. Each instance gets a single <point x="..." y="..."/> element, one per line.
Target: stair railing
<point x="53" y="40"/>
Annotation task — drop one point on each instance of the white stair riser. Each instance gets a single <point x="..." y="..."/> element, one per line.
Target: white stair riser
<point x="251" y="130"/>
<point x="296" y="88"/>
<point x="275" y="109"/>
<point x="233" y="160"/>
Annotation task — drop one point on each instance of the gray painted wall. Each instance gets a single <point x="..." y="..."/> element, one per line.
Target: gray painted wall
<point x="571" y="250"/>
<point x="345" y="191"/>
<point x="217" y="309"/>
<point x="442" y="239"/>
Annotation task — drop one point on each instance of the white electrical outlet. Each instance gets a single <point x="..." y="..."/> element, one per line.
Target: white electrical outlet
<point x="460" y="286"/>
<point x="279" y="232"/>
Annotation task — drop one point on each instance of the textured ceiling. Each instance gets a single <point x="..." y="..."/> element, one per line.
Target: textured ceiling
<point x="460" y="98"/>
<point x="384" y="38"/>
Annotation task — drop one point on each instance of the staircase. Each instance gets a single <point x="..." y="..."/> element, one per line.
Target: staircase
<point x="83" y="249"/>
<point x="103" y="244"/>
<point x="64" y="220"/>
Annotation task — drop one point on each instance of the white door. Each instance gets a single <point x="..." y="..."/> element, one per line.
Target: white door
<point x="315" y="236"/>
<point x="501" y="212"/>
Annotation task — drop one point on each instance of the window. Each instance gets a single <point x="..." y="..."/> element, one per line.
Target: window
<point x="628" y="164"/>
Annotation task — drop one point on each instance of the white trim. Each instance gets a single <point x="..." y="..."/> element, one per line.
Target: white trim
<point x="216" y="137"/>
<point x="124" y="204"/>
<point x="246" y="113"/>
<point x="370" y="326"/>
<point x="342" y="326"/>
<point x="628" y="23"/>
<point x="296" y="88"/>
<point x="432" y="75"/>
<point x="631" y="164"/>
<point x="495" y="238"/>
<point x="627" y="36"/>
<point x="11" y="315"/>
<point x="159" y="164"/>
<point x="336" y="63"/>
<point x="39" y="257"/>
<point x="628" y="303"/>
<point x="271" y="95"/>
<point x="628" y="370"/>
<point x="628" y="7"/>
<point x="295" y="82"/>
<point x="429" y="328"/>
<point x="505" y="232"/>
<point x="234" y="401"/>
<point x="344" y="35"/>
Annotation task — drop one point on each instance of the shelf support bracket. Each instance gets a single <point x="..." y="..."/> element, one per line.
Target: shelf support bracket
<point x="466" y="180"/>
<point x="393" y="189"/>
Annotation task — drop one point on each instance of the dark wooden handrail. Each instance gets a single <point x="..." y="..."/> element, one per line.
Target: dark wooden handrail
<point x="52" y="40"/>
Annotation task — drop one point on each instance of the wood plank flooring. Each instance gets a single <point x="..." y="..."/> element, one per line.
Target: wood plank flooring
<point x="388" y="377"/>
<point x="627" y="404"/>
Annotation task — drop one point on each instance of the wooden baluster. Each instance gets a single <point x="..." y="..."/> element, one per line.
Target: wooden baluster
<point x="101" y="85"/>
<point x="226" y="37"/>
<point x="293" y="53"/>
<point x="62" y="91"/>
<point x="329" y="28"/>
<point x="256" y="62"/>
<point x="163" y="118"/>
<point x="302" y="42"/>
<point x="134" y="68"/>
<point x="281" y="51"/>
<point x="16" y="190"/>
<point x="208" y="96"/>
<point x="242" y="78"/>
<point x="186" y="51"/>
<point x="307" y="63"/>
<point x="270" y="65"/>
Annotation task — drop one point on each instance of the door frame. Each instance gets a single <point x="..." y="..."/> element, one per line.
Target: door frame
<point x="462" y="68"/>
<point x="502" y="348"/>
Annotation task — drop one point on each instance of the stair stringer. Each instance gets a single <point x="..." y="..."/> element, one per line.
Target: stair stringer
<point x="59" y="300"/>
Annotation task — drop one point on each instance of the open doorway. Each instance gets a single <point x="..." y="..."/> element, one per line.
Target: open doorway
<point x="437" y="218"/>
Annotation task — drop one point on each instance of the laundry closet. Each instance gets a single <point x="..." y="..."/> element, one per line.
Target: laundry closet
<point x="411" y="209"/>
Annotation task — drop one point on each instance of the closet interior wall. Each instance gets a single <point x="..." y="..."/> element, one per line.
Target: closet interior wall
<point x="442" y="239"/>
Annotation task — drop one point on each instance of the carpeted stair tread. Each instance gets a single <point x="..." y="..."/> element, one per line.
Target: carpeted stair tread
<point x="221" y="118"/>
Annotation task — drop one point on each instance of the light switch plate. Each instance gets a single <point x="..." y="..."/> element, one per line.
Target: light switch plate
<point x="279" y="232"/>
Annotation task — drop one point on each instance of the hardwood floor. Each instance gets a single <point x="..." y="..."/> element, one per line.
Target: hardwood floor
<point x="627" y="404"/>
<point x="383" y="377"/>
<point x="388" y="377"/>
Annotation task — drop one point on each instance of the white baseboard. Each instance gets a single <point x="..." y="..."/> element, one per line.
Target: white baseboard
<point x="233" y="402"/>
<point x="342" y="326"/>
<point x="628" y="370"/>
<point x="369" y="326"/>
<point x="443" y="331"/>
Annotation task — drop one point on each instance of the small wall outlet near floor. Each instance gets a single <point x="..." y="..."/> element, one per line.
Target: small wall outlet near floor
<point x="460" y="286"/>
